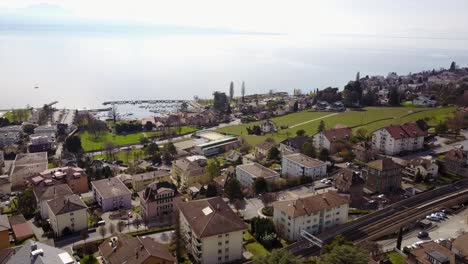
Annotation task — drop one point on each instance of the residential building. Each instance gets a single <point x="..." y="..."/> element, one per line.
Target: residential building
<point x="123" y="248"/>
<point x="247" y="173"/>
<point x="424" y="101"/>
<point x="456" y="162"/>
<point x="430" y="253"/>
<point x="67" y="212"/>
<point x="298" y="165"/>
<point x="233" y="156"/>
<point x="382" y="176"/>
<point x="394" y="139"/>
<point x="157" y="203"/>
<point x="141" y="181"/>
<point x="126" y="179"/>
<point x="211" y="231"/>
<point x="4" y="232"/>
<point x="33" y="252"/>
<point x="21" y="228"/>
<point x="11" y="129"/>
<point x="112" y="194"/>
<point x="2" y="160"/>
<point x="332" y="139"/>
<point x="209" y="143"/>
<point x="41" y="143"/>
<point x="350" y="183"/>
<point x="459" y="247"/>
<point x="293" y="145"/>
<point x="25" y="166"/>
<point x="268" y="126"/>
<point x="220" y="182"/>
<point x="75" y="177"/>
<point x="9" y="138"/>
<point x="189" y="170"/>
<point x="426" y="168"/>
<point x="47" y="129"/>
<point x="48" y="191"/>
<point x="313" y="214"/>
<point x="262" y="149"/>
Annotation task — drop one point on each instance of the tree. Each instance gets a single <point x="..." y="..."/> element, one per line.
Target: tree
<point x="259" y="185"/>
<point x="151" y="149"/>
<point x="453" y="66"/>
<point x="361" y="134"/>
<point x="400" y="238"/>
<point x="321" y="126"/>
<point x="308" y="149"/>
<point x="120" y="226"/>
<point x="137" y="222"/>
<point x="296" y="106"/>
<point x="211" y="190"/>
<point x="112" y="228"/>
<point x="352" y="94"/>
<point x="231" y="91"/>
<point x="89" y="259"/>
<point x="26" y="203"/>
<point x="169" y="147"/>
<point x="233" y="190"/>
<point x="220" y="102"/>
<point x="28" y="128"/>
<point x="346" y="254"/>
<point x="300" y="132"/>
<point x="149" y="126"/>
<point x="278" y="256"/>
<point x="274" y="153"/>
<point x="144" y="140"/>
<point x="441" y="128"/>
<point x="212" y="169"/>
<point x="73" y="144"/>
<point x="109" y="148"/>
<point x="84" y="235"/>
<point x="394" y="97"/>
<point x="156" y="158"/>
<point x="269" y="198"/>
<point x="66" y="231"/>
<point x="184" y="107"/>
<point x="323" y="154"/>
<point x="102" y="231"/>
<point x="243" y="91"/>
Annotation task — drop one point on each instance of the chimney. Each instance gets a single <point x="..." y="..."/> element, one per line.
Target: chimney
<point x="33" y="246"/>
<point x="217" y="207"/>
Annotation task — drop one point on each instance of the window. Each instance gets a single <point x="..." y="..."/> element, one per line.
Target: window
<point x="226" y="257"/>
<point x="220" y="236"/>
<point x="219" y="251"/>
<point x="219" y="258"/>
<point x="220" y="243"/>
<point x="226" y="242"/>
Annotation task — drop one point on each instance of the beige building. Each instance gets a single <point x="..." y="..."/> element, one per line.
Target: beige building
<point x="76" y="178"/>
<point x="157" y="205"/>
<point x="141" y="181"/>
<point x="247" y="173"/>
<point x="314" y="214"/>
<point x="25" y="166"/>
<point x="211" y="231"/>
<point x="298" y="165"/>
<point x="67" y="212"/>
<point x="189" y="170"/>
<point x="45" y="193"/>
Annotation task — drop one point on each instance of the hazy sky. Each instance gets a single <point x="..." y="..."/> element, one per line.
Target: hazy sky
<point x="303" y="19"/>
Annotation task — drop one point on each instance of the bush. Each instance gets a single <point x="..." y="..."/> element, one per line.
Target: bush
<point x="267" y="211"/>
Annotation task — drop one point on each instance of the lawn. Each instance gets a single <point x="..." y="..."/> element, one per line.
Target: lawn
<point x="125" y="155"/>
<point x="396" y="258"/>
<point x="356" y="119"/>
<point x="256" y="249"/>
<point x="9" y="115"/>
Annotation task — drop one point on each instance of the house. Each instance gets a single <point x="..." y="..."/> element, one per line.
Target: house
<point x="188" y="170"/>
<point x="33" y="252"/>
<point x="293" y="145"/>
<point x="430" y="253"/>
<point x="67" y="213"/>
<point x="424" y="101"/>
<point x="220" y="182"/>
<point x="394" y="139"/>
<point x="126" y="179"/>
<point x="41" y="142"/>
<point x="233" y="156"/>
<point x="157" y="203"/>
<point x="298" y="165"/>
<point x="268" y="126"/>
<point x="75" y="177"/>
<point x="332" y="139"/>
<point x="247" y="173"/>
<point x="456" y="161"/>
<point x="5" y="228"/>
<point x="140" y="181"/>
<point x="25" y="166"/>
<point x="209" y="143"/>
<point x="459" y="247"/>
<point x="262" y="149"/>
<point x="313" y="213"/>
<point x="112" y="194"/>
<point x="211" y="231"/>
<point x="350" y="183"/>
<point x="46" y="192"/>
<point x="47" y="129"/>
<point x="382" y="176"/>
<point x="20" y="227"/>
<point x="427" y="168"/>
<point x="10" y="135"/>
<point x="123" y="248"/>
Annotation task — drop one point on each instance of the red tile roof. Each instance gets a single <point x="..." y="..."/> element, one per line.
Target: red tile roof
<point x="338" y="133"/>
<point x="407" y="130"/>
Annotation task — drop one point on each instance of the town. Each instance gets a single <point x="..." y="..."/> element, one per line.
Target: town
<point x="372" y="172"/>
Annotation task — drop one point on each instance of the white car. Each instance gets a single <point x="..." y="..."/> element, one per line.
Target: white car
<point x="323" y="181"/>
<point x="417" y="244"/>
<point x="381" y="196"/>
<point x="432" y="218"/>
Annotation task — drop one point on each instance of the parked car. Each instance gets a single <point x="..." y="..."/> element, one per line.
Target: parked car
<point x="432" y="218"/>
<point x="423" y="234"/>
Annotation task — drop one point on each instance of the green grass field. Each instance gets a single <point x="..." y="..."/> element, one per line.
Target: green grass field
<point x="256" y="249"/>
<point x="355" y="119"/>
<point x="124" y="155"/>
<point x="9" y="115"/>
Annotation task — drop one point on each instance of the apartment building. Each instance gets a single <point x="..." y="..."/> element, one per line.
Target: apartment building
<point x="392" y="140"/>
<point x="189" y="170"/>
<point x="157" y="203"/>
<point x="382" y="176"/>
<point x="298" y="165"/>
<point x="112" y="194"/>
<point x="247" y="173"/>
<point x="332" y="139"/>
<point x="67" y="212"/>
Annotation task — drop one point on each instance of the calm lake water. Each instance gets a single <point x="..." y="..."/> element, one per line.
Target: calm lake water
<point x="83" y="71"/>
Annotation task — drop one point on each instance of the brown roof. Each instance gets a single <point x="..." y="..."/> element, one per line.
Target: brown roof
<point x="258" y="170"/>
<point x="396" y="132"/>
<point x="210" y="217"/>
<point x="460" y="243"/>
<point x="122" y="247"/>
<point x="456" y="154"/>
<point x="66" y="204"/>
<point x="266" y="145"/>
<point x="406" y="130"/>
<point x="155" y="188"/>
<point x="310" y="204"/>
<point x="345" y="178"/>
<point x="435" y="250"/>
<point x="338" y="133"/>
<point x="425" y="163"/>
<point x="111" y="187"/>
<point x="45" y="192"/>
<point x="383" y="164"/>
<point x="304" y="160"/>
<point x="21" y="228"/>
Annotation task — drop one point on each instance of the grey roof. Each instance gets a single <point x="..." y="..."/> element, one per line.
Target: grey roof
<point x="111" y="187"/>
<point x="51" y="192"/>
<point x="441" y="258"/>
<point x="66" y="204"/>
<point x="50" y="255"/>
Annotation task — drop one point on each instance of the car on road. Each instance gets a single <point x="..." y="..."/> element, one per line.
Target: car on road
<point x="432" y="218"/>
<point x="423" y="234"/>
<point x="323" y="180"/>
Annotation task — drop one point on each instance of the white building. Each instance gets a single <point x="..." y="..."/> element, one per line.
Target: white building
<point x="314" y="214"/>
<point x="211" y="231"/>
<point x="247" y="173"/>
<point x="112" y="194"/>
<point x="209" y="143"/>
<point x="298" y="164"/>
<point x="268" y="126"/>
<point x="426" y="167"/>
<point x="394" y="139"/>
<point x="331" y="138"/>
<point x="67" y="212"/>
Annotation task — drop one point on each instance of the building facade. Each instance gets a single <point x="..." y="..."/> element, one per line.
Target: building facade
<point x="247" y="173"/>
<point x="112" y="194"/>
<point x="382" y="176"/>
<point x="350" y="183"/>
<point x="157" y="203"/>
<point x="189" y="170"/>
<point x="67" y="212"/>
<point x="332" y="139"/>
<point x="395" y="139"/>
<point x="298" y="165"/>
